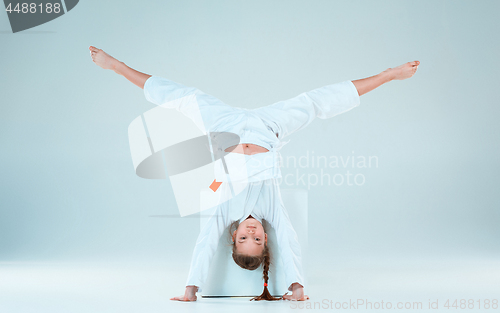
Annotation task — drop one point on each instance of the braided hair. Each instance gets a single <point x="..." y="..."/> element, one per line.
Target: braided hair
<point x="252" y="263"/>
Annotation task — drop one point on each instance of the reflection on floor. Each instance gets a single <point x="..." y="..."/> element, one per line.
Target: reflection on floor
<point x="363" y="285"/>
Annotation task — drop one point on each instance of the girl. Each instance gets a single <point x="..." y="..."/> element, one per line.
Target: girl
<point x="261" y="132"/>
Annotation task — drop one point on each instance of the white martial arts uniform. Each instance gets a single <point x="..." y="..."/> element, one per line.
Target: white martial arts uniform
<point x="266" y="127"/>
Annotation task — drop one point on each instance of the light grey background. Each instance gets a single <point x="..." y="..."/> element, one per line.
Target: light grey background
<point x="68" y="189"/>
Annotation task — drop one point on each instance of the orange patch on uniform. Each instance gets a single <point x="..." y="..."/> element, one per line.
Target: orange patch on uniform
<point x="215" y="185"/>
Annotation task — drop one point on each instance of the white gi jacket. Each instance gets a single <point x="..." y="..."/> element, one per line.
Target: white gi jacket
<point x="266" y="127"/>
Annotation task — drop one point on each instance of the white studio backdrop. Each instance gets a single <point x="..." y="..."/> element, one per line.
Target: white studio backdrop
<point x="69" y="191"/>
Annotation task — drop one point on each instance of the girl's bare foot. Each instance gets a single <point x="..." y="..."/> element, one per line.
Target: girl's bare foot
<point x="103" y="59"/>
<point x="403" y="71"/>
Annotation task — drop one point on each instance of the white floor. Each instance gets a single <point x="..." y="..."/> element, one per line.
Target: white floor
<point x="142" y="287"/>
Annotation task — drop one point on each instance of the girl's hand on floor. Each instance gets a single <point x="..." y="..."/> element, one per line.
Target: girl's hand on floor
<point x="189" y="294"/>
<point x="296" y="297"/>
<point x="183" y="298"/>
<point x="298" y="293"/>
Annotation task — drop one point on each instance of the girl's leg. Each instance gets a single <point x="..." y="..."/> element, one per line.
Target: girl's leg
<point x="204" y="110"/>
<point x="287" y="117"/>
<point x="404" y="71"/>
<point x="207" y="112"/>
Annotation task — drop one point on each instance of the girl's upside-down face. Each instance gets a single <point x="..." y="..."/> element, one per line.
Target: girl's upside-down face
<point x="250" y="238"/>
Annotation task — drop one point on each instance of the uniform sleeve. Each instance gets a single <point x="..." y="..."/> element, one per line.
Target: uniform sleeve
<point x="206" y="245"/>
<point x="161" y="91"/>
<point x="288" y="244"/>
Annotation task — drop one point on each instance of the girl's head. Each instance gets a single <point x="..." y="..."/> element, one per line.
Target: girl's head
<point x="250" y="251"/>
<point x="249" y="238"/>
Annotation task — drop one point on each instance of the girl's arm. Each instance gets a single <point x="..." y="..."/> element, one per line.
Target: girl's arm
<point x="398" y="73"/>
<point x="290" y="250"/>
<point x="205" y="248"/>
<point x="107" y="62"/>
